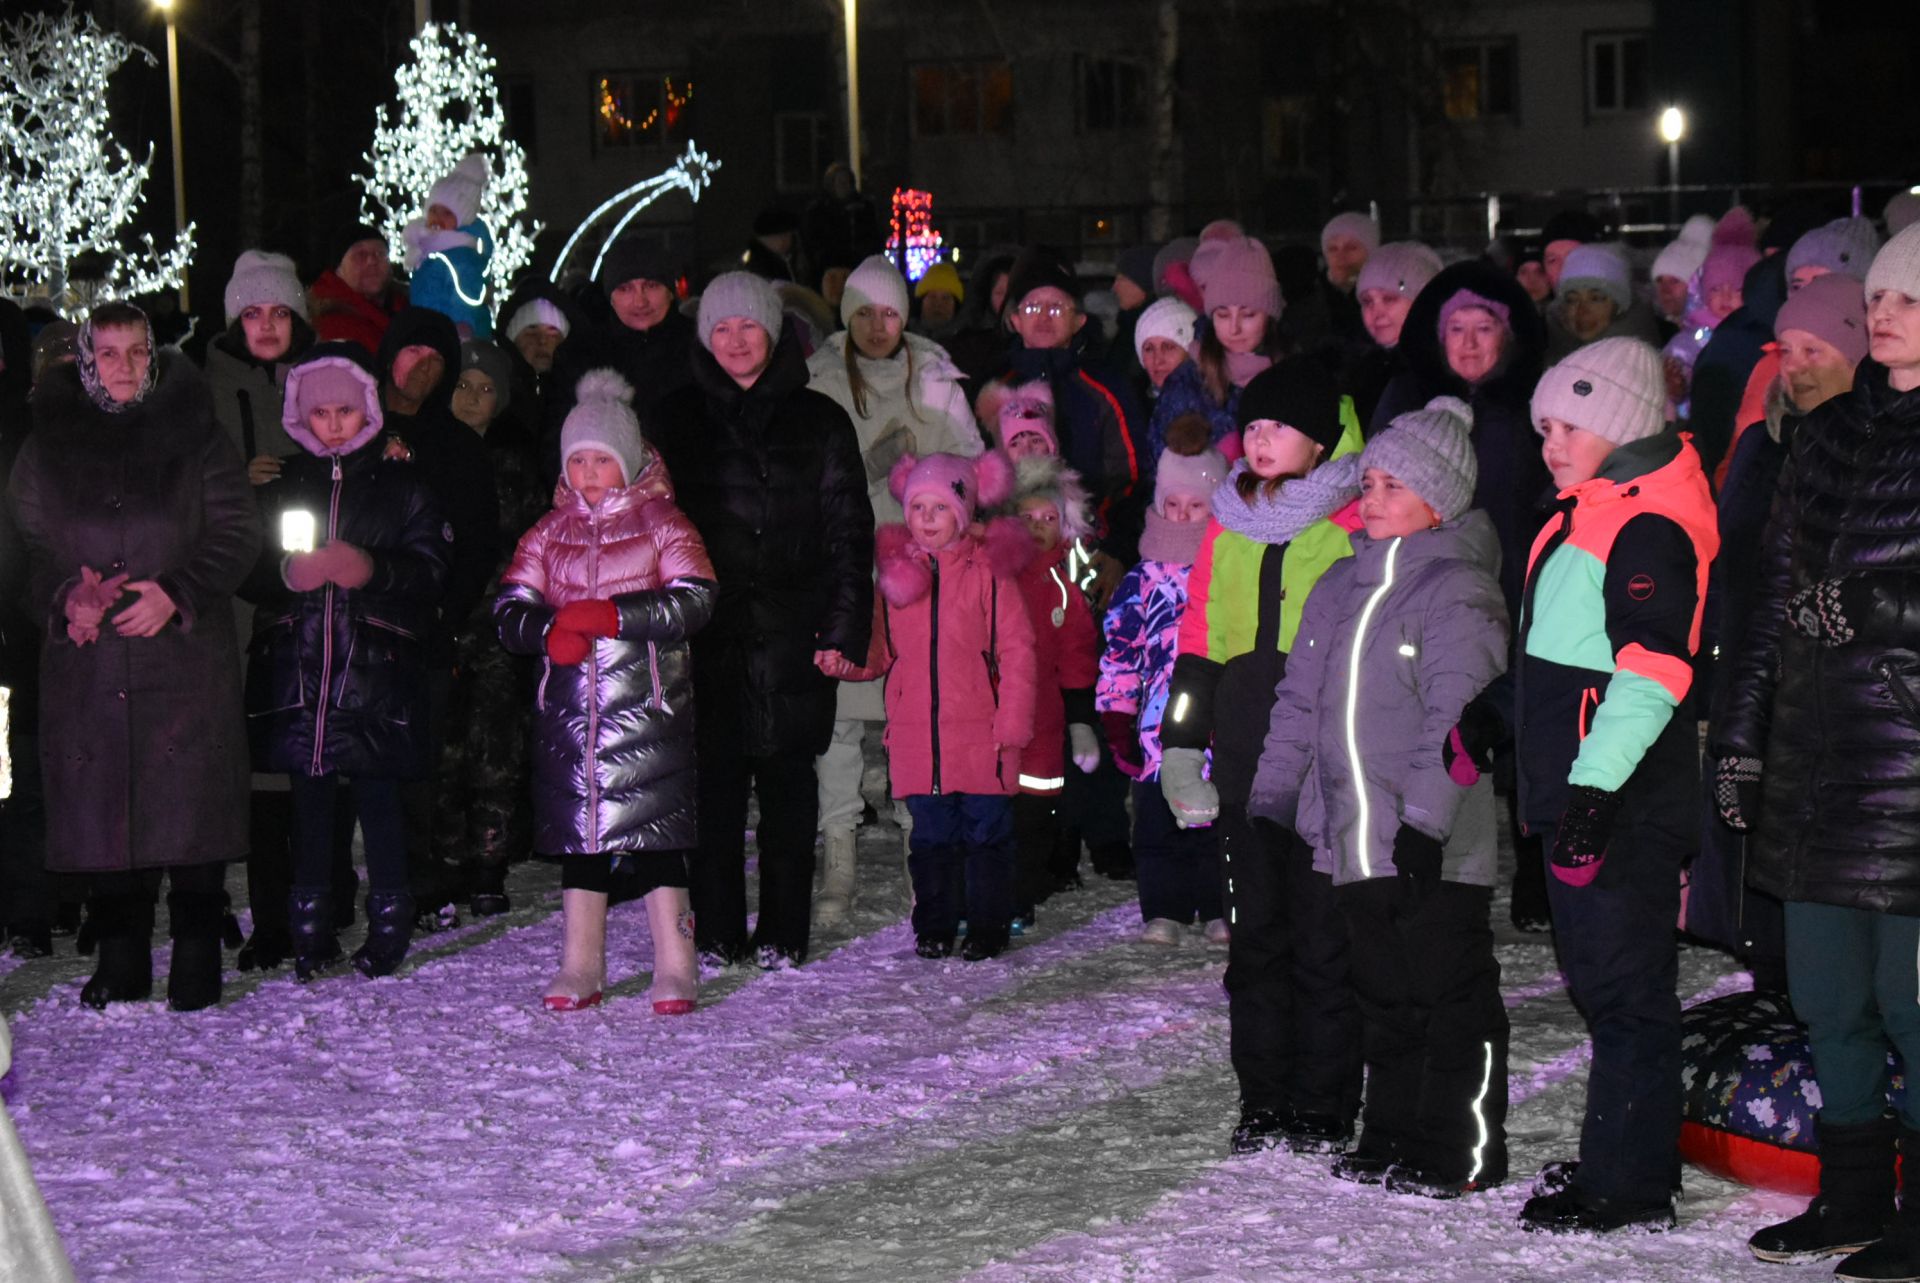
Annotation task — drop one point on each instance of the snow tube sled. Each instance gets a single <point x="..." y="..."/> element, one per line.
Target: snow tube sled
<point x="1749" y="1096"/>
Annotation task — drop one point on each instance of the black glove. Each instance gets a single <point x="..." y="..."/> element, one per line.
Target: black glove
<point x="1580" y="844"/>
<point x="1480" y="732"/>
<point x="1416" y="863"/>
<point x="1736" y="791"/>
<point x="1831" y="611"/>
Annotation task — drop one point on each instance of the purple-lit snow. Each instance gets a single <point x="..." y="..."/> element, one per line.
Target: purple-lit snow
<point x="1058" y="1114"/>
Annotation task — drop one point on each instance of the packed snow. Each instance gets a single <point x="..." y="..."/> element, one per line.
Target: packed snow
<point x="1060" y="1113"/>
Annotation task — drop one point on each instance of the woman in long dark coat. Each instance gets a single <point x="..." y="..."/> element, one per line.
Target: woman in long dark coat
<point x="139" y="525"/>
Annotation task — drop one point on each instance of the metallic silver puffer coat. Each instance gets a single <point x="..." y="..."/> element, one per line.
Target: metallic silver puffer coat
<point x="613" y="753"/>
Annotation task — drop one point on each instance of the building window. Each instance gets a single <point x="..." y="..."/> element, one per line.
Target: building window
<point x="1283" y="132"/>
<point x="1108" y="94"/>
<point x="1480" y="80"/>
<point x="641" y="109"/>
<point x="1617" y="79"/>
<point x="516" y="101"/>
<point x="962" y="98"/>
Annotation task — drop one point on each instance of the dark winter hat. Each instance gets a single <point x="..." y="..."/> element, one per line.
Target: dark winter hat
<point x="1571" y="225"/>
<point x="639" y="258"/>
<point x="1136" y="265"/>
<point x="1298" y="393"/>
<point x="1178" y="251"/>
<point x="1036" y="269"/>
<point x="56" y="343"/>
<point x="478" y="354"/>
<point x="348" y="237"/>
<point x="1431" y="451"/>
<point x="1833" y="309"/>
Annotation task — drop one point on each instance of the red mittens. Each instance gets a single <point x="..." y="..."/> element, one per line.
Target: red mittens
<point x="564" y="646"/>
<point x="597" y="618"/>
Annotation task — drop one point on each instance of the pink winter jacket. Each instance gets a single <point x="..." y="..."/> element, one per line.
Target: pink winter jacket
<point x="951" y="726"/>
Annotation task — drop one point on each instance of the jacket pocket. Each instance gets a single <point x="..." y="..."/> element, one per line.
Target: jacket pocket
<point x="276" y="679"/>
<point x="1589" y="704"/>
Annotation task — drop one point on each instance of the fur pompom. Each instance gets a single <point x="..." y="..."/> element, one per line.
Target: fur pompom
<point x="903" y="578"/>
<point x="1189" y="434"/>
<point x="604" y="385"/>
<point x="993" y="479"/>
<point x="1009" y="546"/>
<point x="897" y="476"/>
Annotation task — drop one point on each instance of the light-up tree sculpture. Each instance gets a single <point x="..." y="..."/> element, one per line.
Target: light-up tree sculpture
<point x="67" y="188"/>
<point x="448" y="106"/>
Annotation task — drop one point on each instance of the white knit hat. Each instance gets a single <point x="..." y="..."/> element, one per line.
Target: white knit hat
<point x="263" y="277"/>
<point x="1599" y="267"/>
<point x="875" y="283"/>
<point x="602" y="418"/>
<point x="738" y="294"/>
<point x="1358" y="226"/>
<point x="1166" y="318"/>
<point x="537" y="311"/>
<point x="1614" y="388"/>
<point x="1404" y="267"/>
<point x="1431" y="451"/>
<point x="1897" y="265"/>
<point x="461" y="189"/>
<point x="1680" y="260"/>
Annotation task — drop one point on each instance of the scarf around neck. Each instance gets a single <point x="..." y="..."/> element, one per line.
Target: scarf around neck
<point x="1174" y="541"/>
<point x="1279" y="518"/>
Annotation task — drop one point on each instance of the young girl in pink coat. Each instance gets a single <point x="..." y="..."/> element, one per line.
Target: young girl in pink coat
<point x="952" y="637"/>
<point x="608" y="587"/>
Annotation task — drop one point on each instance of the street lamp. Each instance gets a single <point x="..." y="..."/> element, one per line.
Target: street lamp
<point x="179" y="157"/>
<point x="1673" y="127"/>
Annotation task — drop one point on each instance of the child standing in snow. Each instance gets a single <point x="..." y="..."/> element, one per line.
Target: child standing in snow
<point x="952" y="638"/>
<point x="608" y="587"/>
<point x="1362" y="760"/>
<point x="1049" y="499"/>
<point x="1178" y="867"/>
<point x="449" y="249"/>
<point x="337" y="681"/>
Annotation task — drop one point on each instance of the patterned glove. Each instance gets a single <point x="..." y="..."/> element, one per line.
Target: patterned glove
<point x="1123" y="741"/>
<point x="1830" y="611"/>
<point x="1416" y="863"/>
<point x="1190" y="794"/>
<point x="1736" y="791"/>
<point x="1580" y="844"/>
<point x="593" y="618"/>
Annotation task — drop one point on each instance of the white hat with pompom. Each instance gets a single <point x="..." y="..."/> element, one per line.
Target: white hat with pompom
<point x="602" y="419"/>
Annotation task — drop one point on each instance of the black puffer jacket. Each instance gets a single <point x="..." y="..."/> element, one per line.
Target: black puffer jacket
<point x="1513" y="478"/>
<point x="1838" y="727"/>
<point x="337" y="677"/>
<point x="656" y="362"/>
<point x="772" y="479"/>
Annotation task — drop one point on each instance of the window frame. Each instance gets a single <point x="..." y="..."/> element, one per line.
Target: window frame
<point x="982" y="70"/>
<point x="666" y="139"/>
<point x="1619" y="39"/>
<point x="1483" y="47"/>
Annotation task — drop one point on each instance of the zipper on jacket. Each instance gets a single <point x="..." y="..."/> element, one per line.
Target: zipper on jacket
<point x="653" y="669"/>
<point x="593" y="693"/>
<point x="1364" y="835"/>
<point x="933" y="670"/>
<point x="326" y="634"/>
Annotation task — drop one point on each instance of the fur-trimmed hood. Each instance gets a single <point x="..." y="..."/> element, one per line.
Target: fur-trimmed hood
<point x="160" y="426"/>
<point x="905" y="574"/>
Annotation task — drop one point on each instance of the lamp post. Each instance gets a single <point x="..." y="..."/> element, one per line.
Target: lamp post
<point x="851" y="15"/>
<point x="179" y="156"/>
<point x="1673" y="127"/>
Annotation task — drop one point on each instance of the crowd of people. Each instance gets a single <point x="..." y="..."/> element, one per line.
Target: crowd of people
<point x="1278" y="583"/>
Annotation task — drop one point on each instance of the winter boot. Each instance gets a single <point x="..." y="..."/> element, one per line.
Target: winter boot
<point x="1113" y="860"/>
<point x="1318" y="1134"/>
<point x="310" y="919"/>
<point x="390" y="919"/>
<point x="1895" y="1258"/>
<point x="985" y="942"/>
<point x="835" y="900"/>
<point x="676" y="973"/>
<point x="487" y="885"/>
<point x="1260" y="1128"/>
<point x="1855" y="1202"/>
<point x="583" y="953"/>
<point x="123" y="934"/>
<point x="194" y="921"/>
<point x="265" y="950"/>
<point x="1568" y="1211"/>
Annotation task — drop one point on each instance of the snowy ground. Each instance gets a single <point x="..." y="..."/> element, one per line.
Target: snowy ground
<point x="1059" y="1114"/>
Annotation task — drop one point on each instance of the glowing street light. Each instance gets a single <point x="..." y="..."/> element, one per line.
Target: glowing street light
<point x="1673" y="127"/>
<point x="179" y="156"/>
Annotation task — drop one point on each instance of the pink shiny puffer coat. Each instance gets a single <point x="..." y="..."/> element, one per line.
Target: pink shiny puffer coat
<point x="613" y="753"/>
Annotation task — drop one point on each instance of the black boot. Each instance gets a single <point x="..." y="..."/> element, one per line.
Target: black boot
<point x="265" y="950"/>
<point x="389" y="932"/>
<point x="1259" y="1128"/>
<point x="123" y="933"/>
<point x="195" y="922"/>
<point x="1113" y="860"/>
<point x="310" y="921"/>
<point x="1895" y="1258"/>
<point x="1855" y="1201"/>
<point x="488" y="884"/>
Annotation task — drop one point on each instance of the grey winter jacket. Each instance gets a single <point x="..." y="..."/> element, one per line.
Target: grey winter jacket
<point x="613" y="752"/>
<point x="1425" y="616"/>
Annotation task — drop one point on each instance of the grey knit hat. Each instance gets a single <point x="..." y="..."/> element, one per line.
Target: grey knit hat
<point x="1359" y="226"/>
<point x="1897" y="265"/>
<point x="1403" y="266"/>
<point x="1431" y="452"/>
<point x="1599" y="267"/>
<point x="1844" y="245"/>
<point x="1614" y="388"/>
<point x="739" y="294"/>
<point x="260" y="276"/>
<point x="602" y="418"/>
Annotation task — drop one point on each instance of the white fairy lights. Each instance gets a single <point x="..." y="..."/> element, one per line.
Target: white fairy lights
<point x="68" y="189"/>
<point x="448" y="106"/>
<point x="692" y="173"/>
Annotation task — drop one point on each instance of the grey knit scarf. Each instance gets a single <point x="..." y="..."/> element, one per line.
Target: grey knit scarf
<point x="1278" y="518"/>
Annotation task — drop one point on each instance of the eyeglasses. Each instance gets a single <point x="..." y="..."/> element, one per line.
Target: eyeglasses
<point x="1052" y="311"/>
